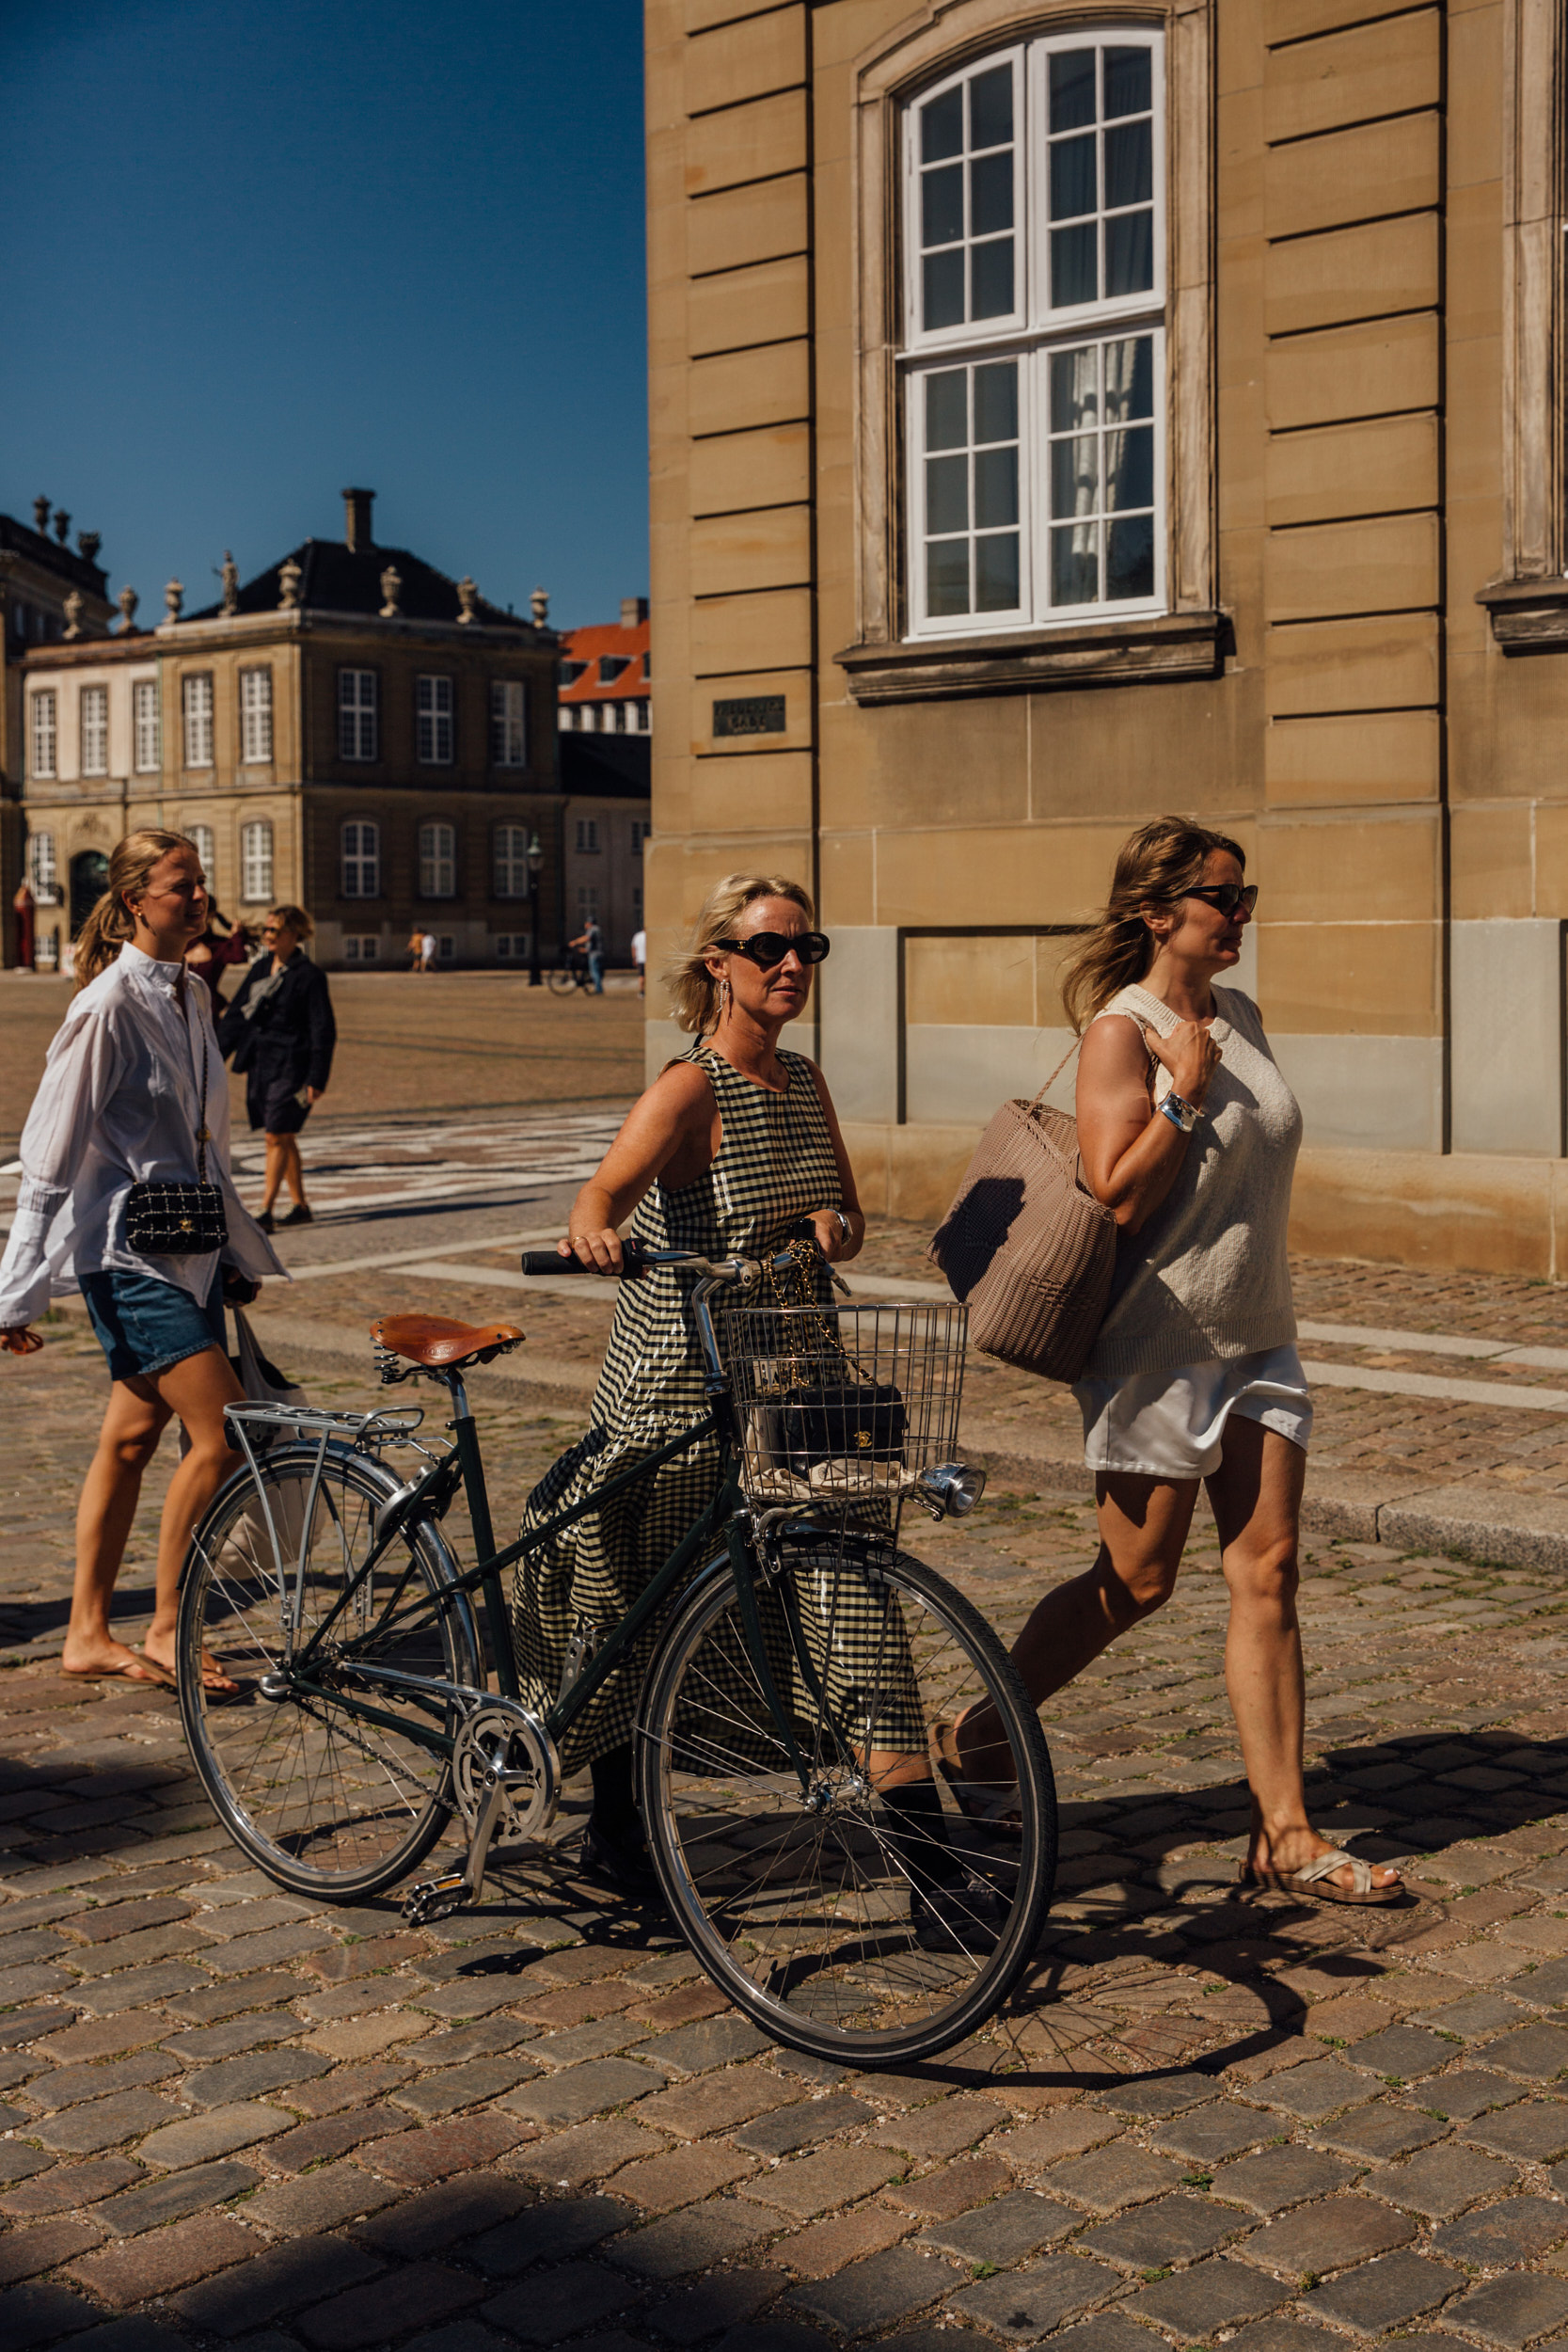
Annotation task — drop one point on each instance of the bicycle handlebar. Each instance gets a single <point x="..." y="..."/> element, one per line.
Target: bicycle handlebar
<point x="547" y="1261"/>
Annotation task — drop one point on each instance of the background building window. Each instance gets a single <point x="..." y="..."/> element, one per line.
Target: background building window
<point x="1034" y="189"/>
<point x="508" y="722"/>
<point x="94" y="720"/>
<point x="197" y="699"/>
<point x="588" y="903"/>
<point x="433" y="708"/>
<point x="510" y="862"/>
<point x="640" y="829"/>
<point x="588" y="835"/>
<point x="201" y="837"/>
<point x="44" y="873"/>
<point x="364" y="948"/>
<point x="45" y="732"/>
<point x="611" y="666"/>
<point x="146" y="727"/>
<point x="437" y="860"/>
<point x="255" y="715"/>
<point x="356" y="714"/>
<point x="644" y="721"/>
<point x="512" y="946"/>
<point x="360" y="860"/>
<point x="256" y="861"/>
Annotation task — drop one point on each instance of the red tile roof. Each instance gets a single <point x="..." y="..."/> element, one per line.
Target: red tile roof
<point x="588" y="645"/>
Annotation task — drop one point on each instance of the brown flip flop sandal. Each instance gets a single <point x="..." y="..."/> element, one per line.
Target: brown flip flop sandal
<point x="139" y="1667"/>
<point x="1315" y="1880"/>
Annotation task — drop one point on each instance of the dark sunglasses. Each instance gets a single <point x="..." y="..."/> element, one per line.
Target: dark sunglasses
<point x="1228" y="897"/>
<point x="768" y="949"/>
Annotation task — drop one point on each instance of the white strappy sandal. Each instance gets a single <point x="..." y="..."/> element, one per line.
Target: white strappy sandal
<point x="1316" y="1880"/>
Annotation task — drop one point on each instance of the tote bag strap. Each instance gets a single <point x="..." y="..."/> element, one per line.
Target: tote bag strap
<point x="1055" y="1075"/>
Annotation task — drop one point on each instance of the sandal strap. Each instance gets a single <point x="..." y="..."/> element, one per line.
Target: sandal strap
<point x="1336" y="1859"/>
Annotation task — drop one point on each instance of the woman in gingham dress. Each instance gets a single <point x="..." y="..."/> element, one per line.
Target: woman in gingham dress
<point x="733" y="1144"/>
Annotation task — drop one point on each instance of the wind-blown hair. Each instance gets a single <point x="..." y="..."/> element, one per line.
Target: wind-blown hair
<point x="109" y="926"/>
<point x="693" y="990"/>
<point x="1156" y="866"/>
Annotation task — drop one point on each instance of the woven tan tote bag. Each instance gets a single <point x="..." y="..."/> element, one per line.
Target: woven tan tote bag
<point x="1026" y="1243"/>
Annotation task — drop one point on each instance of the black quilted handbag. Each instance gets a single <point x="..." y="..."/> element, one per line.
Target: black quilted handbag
<point x="862" y="1421"/>
<point x="169" y="1220"/>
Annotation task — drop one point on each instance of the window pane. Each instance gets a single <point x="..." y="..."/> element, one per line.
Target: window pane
<point x="990" y="107"/>
<point x="1075" y="475"/>
<point x="1130" y="467"/>
<point x="1074" y="388"/>
<point x="991" y="195"/>
<point x="996" y="487"/>
<point x="1130" y="164"/>
<point x="996" y="401"/>
<point x="947" y="494"/>
<point x="942" y="273"/>
<point x="992" y="278"/>
<point x="947" y="408"/>
<point x="1072" y="88"/>
<point x="1075" y="266"/>
<point x="1129" y="253"/>
<point x="1075" y="565"/>
<point x="1129" y="557"/>
<point x="947" y="577"/>
<point x="942" y="205"/>
<point x="1128" y="81"/>
<point x="996" y="573"/>
<point x="1130" y="379"/>
<point x="1074" y="183"/>
<point x="941" y="126"/>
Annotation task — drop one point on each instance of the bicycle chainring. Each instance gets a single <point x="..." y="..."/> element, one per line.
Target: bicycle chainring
<point x="502" y="1736"/>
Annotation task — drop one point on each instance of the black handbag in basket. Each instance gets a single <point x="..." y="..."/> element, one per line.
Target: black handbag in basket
<point x="170" y="1220"/>
<point x="825" y="1420"/>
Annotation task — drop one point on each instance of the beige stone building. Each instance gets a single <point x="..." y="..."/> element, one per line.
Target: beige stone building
<point x="349" y="730"/>
<point x="1064" y="412"/>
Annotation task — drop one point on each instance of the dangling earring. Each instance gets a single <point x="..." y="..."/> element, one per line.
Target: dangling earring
<point x="723" y="996"/>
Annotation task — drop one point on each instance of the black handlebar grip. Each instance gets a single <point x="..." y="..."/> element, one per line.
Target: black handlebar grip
<point x="551" y="1262"/>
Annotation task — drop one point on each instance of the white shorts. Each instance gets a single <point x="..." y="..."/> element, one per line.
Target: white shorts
<point x="1171" y="1424"/>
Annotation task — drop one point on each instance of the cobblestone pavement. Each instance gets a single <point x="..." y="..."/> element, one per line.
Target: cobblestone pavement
<point x="231" y="2119"/>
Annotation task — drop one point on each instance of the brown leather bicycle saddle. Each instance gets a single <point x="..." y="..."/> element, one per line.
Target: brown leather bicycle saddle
<point x="441" y="1344"/>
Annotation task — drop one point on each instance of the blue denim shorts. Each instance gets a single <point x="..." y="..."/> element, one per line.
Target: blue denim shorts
<point x="144" y="1326"/>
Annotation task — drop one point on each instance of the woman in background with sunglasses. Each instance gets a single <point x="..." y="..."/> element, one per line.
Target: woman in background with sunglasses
<point x="1189" y="1133"/>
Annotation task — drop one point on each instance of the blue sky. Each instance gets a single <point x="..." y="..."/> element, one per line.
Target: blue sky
<point x="253" y="253"/>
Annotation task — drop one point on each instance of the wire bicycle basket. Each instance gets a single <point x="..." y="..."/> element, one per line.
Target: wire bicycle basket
<point x="843" y="1405"/>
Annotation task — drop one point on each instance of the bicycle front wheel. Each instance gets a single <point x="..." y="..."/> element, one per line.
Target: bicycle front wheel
<point x="840" y="1896"/>
<point x="330" y="1780"/>
<point x="564" y="983"/>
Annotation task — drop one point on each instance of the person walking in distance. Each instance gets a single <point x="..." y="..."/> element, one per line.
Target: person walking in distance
<point x="281" y="1033"/>
<point x="133" y="1094"/>
<point x="639" y="959"/>
<point x="590" y="943"/>
<point x="427" y="952"/>
<point x="1189" y="1133"/>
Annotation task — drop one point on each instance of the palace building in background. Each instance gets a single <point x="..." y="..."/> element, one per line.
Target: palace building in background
<point x="1063" y="413"/>
<point x="349" y="730"/>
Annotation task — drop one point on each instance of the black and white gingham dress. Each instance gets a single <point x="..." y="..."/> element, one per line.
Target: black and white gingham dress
<point x="775" y="1163"/>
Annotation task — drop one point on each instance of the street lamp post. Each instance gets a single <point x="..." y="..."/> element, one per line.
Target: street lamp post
<point x="535" y="860"/>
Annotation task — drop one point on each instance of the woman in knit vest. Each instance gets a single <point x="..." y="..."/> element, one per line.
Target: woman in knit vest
<point x="1189" y="1133"/>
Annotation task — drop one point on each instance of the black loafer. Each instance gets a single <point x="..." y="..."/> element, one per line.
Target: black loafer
<point x="300" y="1216"/>
<point x="968" y="1918"/>
<point x="267" y="1222"/>
<point x="624" y="1867"/>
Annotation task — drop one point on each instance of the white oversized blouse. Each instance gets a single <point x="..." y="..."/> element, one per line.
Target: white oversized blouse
<point x="120" y="1103"/>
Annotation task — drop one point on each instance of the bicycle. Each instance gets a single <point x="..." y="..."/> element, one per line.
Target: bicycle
<point x="565" y="977"/>
<point x="797" y="1644"/>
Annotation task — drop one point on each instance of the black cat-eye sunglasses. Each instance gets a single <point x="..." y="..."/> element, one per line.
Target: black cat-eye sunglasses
<point x="766" y="949"/>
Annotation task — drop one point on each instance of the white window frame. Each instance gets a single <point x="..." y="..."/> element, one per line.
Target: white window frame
<point x="508" y="722"/>
<point x="509" y="875"/>
<point x="437" y="847"/>
<point x="204" y="842"/>
<point x="257" y="862"/>
<point x="43" y="732"/>
<point x="359" y="858"/>
<point x="434" y="720"/>
<point x="43" y="869"/>
<point x="1028" y="335"/>
<point x="255" y="717"/>
<point x="146" y="727"/>
<point x="92" y="736"/>
<point x="195" y="705"/>
<point x="588" y="836"/>
<point x="361" y="947"/>
<point x="359" y="715"/>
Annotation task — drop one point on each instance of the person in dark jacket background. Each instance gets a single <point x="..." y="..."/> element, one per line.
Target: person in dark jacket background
<point x="281" y="1032"/>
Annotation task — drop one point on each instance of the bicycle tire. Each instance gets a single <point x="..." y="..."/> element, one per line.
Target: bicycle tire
<point x="562" y="983"/>
<point x="809" y="1941"/>
<point x="286" y="1769"/>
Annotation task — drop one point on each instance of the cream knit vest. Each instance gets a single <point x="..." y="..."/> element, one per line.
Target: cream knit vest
<point x="1208" y="1274"/>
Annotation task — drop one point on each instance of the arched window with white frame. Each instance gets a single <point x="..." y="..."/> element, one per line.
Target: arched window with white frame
<point x="360" y="858"/>
<point x="1034" y="303"/>
<point x="43" y="872"/>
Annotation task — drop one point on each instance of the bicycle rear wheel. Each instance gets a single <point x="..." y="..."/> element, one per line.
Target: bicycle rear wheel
<point x="564" y="983"/>
<point x="328" y="1800"/>
<point x="846" y="1918"/>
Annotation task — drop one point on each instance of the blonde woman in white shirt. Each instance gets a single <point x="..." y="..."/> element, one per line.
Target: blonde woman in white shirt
<point x="122" y="1102"/>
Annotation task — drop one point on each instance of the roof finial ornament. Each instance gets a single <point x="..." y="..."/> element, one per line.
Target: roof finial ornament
<point x="128" y="601"/>
<point x="391" y="589"/>
<point x="73" y="615"/>
<point x="289" y="577"/>
<point x="231" y="577"/>
<point x="90" y="542"/>
<point x="41" y="513"/>
<point x="62" y="524"/>
<point x="174" y="598"/>
<point x="468" y="597"/>
<point x="539" y="605"/>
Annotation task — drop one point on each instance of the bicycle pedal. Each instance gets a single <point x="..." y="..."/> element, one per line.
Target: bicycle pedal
<point x="435" y="1898"/>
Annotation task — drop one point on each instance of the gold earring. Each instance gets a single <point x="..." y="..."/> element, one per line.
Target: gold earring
<point x="723" y="996"/>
